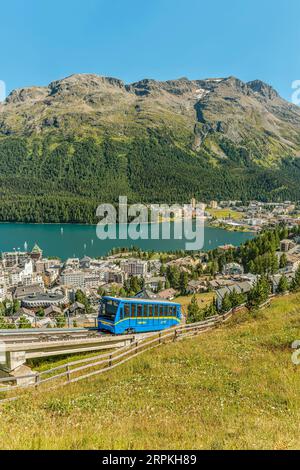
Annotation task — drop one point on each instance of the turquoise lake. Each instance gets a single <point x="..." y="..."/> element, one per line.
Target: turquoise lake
<point x="70" y="240"/>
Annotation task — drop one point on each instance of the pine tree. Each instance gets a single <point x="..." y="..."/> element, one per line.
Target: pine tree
<point x="283" y="261"/>
<point x="283" y="285"/>
<point x="194" y="312"/>
<point x="234" y="298"/>
<point x="159" y="286"/>
<point x="226" y="303"/>
<point x="295" y="285"/>
<point x="259" y="293"/>
<point x="184" y="279"/>
<point x="210" y="311"/>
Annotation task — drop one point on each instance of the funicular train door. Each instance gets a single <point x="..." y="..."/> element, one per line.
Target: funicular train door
<point x="121" y="311"/>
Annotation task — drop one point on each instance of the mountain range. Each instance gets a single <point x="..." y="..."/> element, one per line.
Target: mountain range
<point x="87" y="139"/>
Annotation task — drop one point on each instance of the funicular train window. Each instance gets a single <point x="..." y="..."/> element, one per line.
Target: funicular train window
<point x="145" y="310"/>
<point x="161" y="310"/>
<point x="133" y="310"/>
<point x="103" y="309"/>
<point x="110" y="309"/>
<point x="150" y="310"/>
<point x="139" y="310"/>
<point x="156" y="310"/>
<point x="121" y="313"/>
<point x="126" y="310"/>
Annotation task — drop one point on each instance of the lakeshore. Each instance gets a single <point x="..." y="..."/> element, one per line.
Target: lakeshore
<point x="72" y="240"/>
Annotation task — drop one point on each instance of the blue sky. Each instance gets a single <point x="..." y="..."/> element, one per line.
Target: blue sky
<point x="162" y="39"/>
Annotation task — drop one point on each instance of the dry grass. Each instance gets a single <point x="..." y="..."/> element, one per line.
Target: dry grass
<point x="234" y="387"/>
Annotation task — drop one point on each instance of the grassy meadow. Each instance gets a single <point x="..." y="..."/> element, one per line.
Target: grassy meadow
<point x="225" y="213"/>
<point x="231" y="388"/>
<point x="203" y="300"/>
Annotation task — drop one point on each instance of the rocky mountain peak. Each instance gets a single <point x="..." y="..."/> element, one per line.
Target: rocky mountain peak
<point x="258" y="86"/>
<point x="81" y="83"/>
<point x="144" y="87"/>
<point x="22" y="95"/>
<point x="216" y="107"/>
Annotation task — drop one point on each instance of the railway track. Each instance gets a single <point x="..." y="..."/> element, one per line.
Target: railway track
<point x="16" y="347"/>
<point x="44" y="335"/>
<point x="89" y="367"/>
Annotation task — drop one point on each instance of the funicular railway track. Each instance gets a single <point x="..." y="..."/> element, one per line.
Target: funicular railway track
<point x="46" y="334"/>
<point x="17" y="347"/>
<point x="89" y="367"/>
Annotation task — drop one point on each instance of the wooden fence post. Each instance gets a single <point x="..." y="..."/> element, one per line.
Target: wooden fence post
<point x="68" y="372"/>
<point x="37" y="380"/>
<point x="110" y="360"/>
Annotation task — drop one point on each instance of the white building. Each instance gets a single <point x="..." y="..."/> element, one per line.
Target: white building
<point x="22" y="276"/>
<point x="91" y="280"/>
<point x="14" y="258"/>
<point x="113" y="275"/>
<point x="72" y="278"/>
<point x="72" y="263"/>
<point x="45" y="299"/>
<point x="232" y="269"/>
<point x="134" y="267"/>
<point x="3" y="292"/>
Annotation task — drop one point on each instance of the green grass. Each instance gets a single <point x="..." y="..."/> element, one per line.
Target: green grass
<point x="234" y="387"/>
<point x="203" y="299"/>
<point x="225" y="213"/>
<point x="45" y="363"/>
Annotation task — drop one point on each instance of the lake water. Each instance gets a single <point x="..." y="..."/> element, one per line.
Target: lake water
<point x="70" y="240"/>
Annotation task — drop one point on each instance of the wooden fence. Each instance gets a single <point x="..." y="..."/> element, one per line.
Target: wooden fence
<point x="89" y="367"/>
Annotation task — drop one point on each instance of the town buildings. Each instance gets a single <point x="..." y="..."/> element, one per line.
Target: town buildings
<point x="36" y="282"/>
<point x="134" y="267"/>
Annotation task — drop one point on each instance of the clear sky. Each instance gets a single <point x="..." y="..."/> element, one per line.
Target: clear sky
<point x="43" y="40"/>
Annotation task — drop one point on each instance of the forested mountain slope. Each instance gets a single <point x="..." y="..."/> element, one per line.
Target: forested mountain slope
<point x="87" y="139"/>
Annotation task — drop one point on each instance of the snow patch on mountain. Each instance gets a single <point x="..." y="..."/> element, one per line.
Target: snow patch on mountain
<point x="200" y="93"/>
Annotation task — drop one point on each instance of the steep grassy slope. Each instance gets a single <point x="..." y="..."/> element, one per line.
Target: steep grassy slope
<point x="235" y="387"/>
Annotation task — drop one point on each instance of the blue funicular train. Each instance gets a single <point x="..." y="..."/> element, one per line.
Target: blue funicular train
<point x="137" y="315"/>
